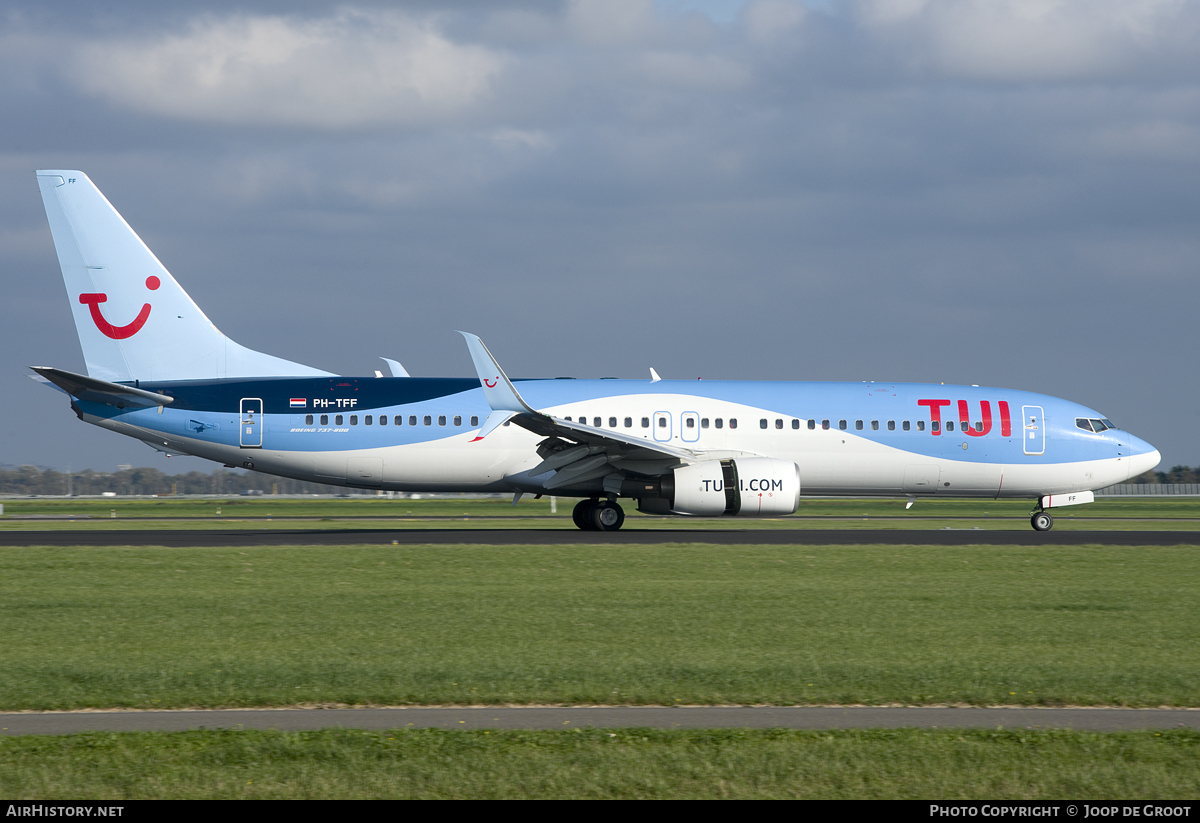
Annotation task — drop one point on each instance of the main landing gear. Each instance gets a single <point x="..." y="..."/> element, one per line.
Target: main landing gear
<point x="598" y="516"/>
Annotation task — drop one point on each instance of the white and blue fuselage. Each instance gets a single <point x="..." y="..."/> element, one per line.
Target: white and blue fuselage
<point x="160" y="371"/>
<point x="846" y="438"/>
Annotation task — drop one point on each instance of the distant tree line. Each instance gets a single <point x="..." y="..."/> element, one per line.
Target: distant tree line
<point x="1178" y="474"/>
<point x="34" y="480"/>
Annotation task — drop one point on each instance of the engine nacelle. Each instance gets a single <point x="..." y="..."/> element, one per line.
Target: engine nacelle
<point x="744" y="487"/>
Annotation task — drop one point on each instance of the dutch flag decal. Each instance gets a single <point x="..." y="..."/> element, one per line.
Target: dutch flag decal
<point x="298" y="402"/>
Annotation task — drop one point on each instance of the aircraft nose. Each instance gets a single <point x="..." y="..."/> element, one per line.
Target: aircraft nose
<point x="1143" y="457"/>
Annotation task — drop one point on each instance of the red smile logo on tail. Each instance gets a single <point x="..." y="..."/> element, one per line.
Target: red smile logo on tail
<point x="93" y="301"/>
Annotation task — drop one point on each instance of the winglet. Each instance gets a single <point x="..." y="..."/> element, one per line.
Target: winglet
<point x="494" y="421"/>
<point x="654" y="378"/>
<point x="395" y="367"/>
<point x="499" y="391"/>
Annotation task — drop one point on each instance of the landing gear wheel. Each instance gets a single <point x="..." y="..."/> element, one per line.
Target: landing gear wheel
<point x="1042" y="521"/>
<point x="607" y="517"/>
<point x="582" y="514"/>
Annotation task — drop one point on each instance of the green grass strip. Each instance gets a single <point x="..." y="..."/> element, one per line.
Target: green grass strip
<point x="692" y="624"/>
<point x="592" y="763"/>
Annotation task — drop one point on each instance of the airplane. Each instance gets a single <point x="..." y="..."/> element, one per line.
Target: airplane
<point x="158" y="370"/>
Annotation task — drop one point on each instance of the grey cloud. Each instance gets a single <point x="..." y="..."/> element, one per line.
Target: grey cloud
<point x="796" y="194"/>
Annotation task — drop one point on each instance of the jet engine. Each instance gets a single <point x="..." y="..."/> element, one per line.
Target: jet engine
<point x="743" y="487"/>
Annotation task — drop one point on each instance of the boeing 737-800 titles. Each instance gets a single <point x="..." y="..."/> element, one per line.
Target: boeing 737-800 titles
<point x="160" y="371"/>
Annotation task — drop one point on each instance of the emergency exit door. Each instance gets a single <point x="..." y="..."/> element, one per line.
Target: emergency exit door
<point x="250" y="430"/>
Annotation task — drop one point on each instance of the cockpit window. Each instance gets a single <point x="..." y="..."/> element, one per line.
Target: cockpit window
<point x="1098" y="425"/>
<point x="1109" y="423"/>
<point x="1084" y="423"/>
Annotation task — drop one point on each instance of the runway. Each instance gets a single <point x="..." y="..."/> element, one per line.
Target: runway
<point x="608" y="717"/>
<point x="184" y="538"/>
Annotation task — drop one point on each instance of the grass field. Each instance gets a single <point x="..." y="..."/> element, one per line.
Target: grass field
<point x="622" y="763"/>
<point x="684" y="623"/>
<point x="267" y="512"/>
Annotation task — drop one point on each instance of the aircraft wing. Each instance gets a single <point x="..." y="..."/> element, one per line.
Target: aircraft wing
<point x="102" y="391"/>
<point x="576" y="452"/>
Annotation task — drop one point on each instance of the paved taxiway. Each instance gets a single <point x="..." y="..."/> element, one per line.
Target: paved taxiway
<point x="180" y="538"/>
<point x="611" y="717"/>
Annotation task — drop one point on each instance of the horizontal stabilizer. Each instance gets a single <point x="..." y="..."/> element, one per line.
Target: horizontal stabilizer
<point x="101" y="391"/>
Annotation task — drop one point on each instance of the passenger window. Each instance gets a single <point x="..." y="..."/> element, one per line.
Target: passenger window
<point x="935" y="426"/>
<point x="337" y="420"/>
<point x="718" y="422"/>
<point x="762" y="424"/>
<point x="567" y="418"/>
<point x="645" y="422"/>
<point x="891" y="425"/>
<point x="825" y="425"/>
<point x="596" y="422"/>
<point x="458" y="419"/>
<point x="324" y="420"/>
<point x="704" y="422"/>
<point x="354" y="420"/>
<point x="412" y="420"/>
<point x="612" y="422"/>
<point x="905" y="425"/>
<point x="367" y="420"/>
<point x="629" y="422"/>
<point x="949" y="425"/>
<point x="812" y="424"/>
<point x="474" y="420"/>
<point x="691" y="422"/>
<point x="383" y="419"/>
<point x="858" y="425"/>
<point x="398" y="420"/>
<point x="308" y="420"/>
<point x="842" y="425"/>
<point x="733" y="422"/>
<point x="778" y="422"/>
<point x="874" y="425"/>
<point x="920" y="425"/>
<point x="662" y="422"/>
<point x="795" y="424"/>
<point x="428" y="421"/>
<point x="441" y="419"/>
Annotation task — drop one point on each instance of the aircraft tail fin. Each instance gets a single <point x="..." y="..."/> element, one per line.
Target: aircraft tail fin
<point x="135" y="322"/>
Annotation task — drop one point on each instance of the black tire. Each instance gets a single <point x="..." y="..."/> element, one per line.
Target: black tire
<point x="1041" y="521"/>
<point x="607" y="517"/>
<point x="582" y="515"/>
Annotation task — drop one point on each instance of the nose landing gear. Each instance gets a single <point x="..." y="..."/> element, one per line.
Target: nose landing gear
<point x="1041" y="521"/>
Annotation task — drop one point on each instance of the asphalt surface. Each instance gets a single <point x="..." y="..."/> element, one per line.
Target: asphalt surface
<point x="179" y="538"/>
<point x="605" y="717"/>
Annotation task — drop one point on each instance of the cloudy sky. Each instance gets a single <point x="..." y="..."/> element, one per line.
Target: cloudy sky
<point x="1000" y="192"/>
